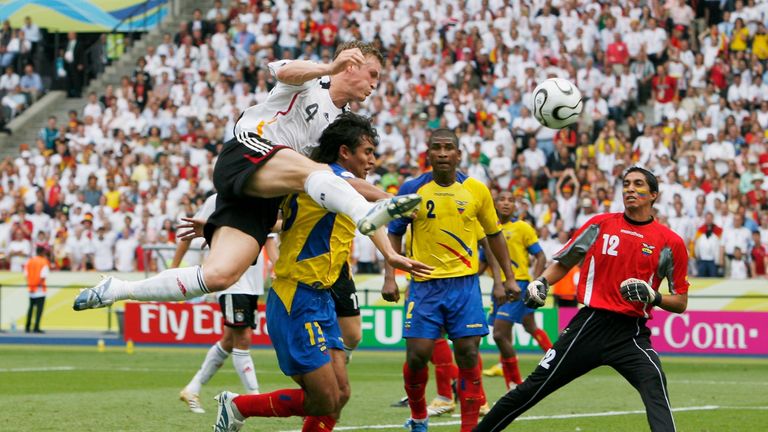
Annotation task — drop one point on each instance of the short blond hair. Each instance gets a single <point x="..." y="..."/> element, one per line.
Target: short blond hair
<point x="366" y="48"/>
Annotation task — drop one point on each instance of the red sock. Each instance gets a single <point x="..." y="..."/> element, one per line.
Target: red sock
<point x="480" y="368"/>
<point x="445" y="370"/>
<point x="511" y="370"/>
<point x="318" y="424"/>
<point x="470" y="390"/>
<point x="543" y="340"/>
<point x="416" y="388"/>
<point x="280" y="403"/>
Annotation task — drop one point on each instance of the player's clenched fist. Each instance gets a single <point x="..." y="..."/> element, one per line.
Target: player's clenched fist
<point x="536" y="294"/>
<point x="350" y="57"/>
<point x="636" y="290"/>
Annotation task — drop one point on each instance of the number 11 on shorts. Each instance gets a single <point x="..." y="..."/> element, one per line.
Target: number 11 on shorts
<point x="311" y="332"/>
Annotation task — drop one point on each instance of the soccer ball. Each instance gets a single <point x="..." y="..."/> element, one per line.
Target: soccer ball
<point x="557" y="103"/>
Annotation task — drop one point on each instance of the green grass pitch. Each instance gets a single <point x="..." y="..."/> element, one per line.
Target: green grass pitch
<point x="79" y="389"/>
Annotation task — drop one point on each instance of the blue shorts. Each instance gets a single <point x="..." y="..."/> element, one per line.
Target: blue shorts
<point x="303" y="338"/>
<point x="510" y="311"/>
<point x="451" y="304"/>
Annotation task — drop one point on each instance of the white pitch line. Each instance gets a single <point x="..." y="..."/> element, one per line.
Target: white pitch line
<point x="710" y="382"/>
<point x="547" y="417"/>
<point x="40" y="369"/>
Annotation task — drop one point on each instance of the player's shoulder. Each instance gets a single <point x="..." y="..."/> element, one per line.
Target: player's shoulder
<point x="413" y="185"/>
<point x="524" y="226"/>
<point x="472" y="184"/>
<point x="604" y="218"/>
<point x="341" y="171"/>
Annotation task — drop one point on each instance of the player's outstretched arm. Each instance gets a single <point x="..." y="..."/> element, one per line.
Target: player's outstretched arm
<point x="298" y="72"/>
<point x="395" y="260"/>
<point x="390" y="291"/>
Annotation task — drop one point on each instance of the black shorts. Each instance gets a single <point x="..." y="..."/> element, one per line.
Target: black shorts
<point x="239" y="310"/>
<point x="344" y="294"/>
<point x="239" y="159"/>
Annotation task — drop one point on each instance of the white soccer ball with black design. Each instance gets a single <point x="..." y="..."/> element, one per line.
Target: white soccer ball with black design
<point x="557" y="103"/>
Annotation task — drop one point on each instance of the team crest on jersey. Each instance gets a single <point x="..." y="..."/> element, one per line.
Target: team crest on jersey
<point x="648" y="249"/>
<point x="460" y="205"/>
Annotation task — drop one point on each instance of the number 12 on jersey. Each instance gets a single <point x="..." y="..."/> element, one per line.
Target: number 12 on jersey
<point x="610" y="244"/>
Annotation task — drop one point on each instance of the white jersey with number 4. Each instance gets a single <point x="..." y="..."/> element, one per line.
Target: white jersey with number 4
<point x="293" y="116"/>
<point x="252" y="281"/>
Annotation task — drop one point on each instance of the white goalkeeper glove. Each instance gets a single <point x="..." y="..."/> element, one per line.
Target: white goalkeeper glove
<point x="636" y="290"/>
<point x="536" y="293"/>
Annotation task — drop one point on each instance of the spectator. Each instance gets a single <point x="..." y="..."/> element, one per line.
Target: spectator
<point x="31" y="84"/>
<point x="74" y="65"/>
<point x="36" y="271"/>
<point x="8" y="81"/>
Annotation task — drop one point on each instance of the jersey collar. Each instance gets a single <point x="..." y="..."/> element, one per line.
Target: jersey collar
<point x="634" y="222"/>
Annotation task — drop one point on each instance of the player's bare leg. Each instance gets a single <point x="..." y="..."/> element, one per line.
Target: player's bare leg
<point x="232" y="252"/>
<point x="470" y="387"/>
<point x="351" y="333"/>
<point x="290" y="172"/>
<point x="502" y="335"/>
<point x="324" y="393"/>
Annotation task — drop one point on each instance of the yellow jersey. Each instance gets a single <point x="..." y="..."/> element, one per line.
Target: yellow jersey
<point x="522" y="242"/>
<point x="314" y="245"/>
<point x="444" y="232"/>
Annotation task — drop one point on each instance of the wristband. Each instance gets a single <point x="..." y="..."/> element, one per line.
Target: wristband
<point x="657" y="300"/>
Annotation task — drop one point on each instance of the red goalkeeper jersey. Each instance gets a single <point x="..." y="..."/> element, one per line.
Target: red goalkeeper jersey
<point x="614" y="249"/>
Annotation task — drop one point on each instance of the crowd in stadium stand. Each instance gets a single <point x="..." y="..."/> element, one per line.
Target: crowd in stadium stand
<point x="20" y="84"/>
<point x="678" y="90"/>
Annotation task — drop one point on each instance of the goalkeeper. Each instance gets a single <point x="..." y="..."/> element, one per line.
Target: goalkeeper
<point x="625" y="256"/>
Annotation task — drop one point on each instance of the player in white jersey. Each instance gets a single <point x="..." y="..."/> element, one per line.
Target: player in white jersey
<point x="252" y="173"/>
<point x="239" y="312"/>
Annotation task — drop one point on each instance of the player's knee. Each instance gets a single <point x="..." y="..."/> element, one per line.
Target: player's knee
<point x="501" y="335"/>
<point x="466" y="358"/>
<point x="416" y="360"/>
<point x="324" y="402"/>
<point x="242" y="340"/>
<point x="345" y="392"/>
<point x="353" y="339"/>
<point x="530" y="328"/>
<point x="218" y="279"/>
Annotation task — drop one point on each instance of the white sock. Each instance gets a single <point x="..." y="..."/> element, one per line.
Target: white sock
<point x="243" y="363"/>
<point x="169" y="285"/>
<point x="348" y="353"/>
<point x="213" y="361"/>
<point x="335" y="194"/>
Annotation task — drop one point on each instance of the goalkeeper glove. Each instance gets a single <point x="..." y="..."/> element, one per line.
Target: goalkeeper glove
<point x="636" y="290"/>
<point x="536" y="294"/>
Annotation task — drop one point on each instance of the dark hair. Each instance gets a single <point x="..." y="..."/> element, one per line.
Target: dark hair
<point x="653" y="183"/>
<point x="443" y="133"/>
<point x="366" y="48"/>
<point x="348" y="129"/>
<point x="41" y="251"/>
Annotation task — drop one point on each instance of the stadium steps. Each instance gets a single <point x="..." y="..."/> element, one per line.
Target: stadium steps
<point x="27" y="124"/>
